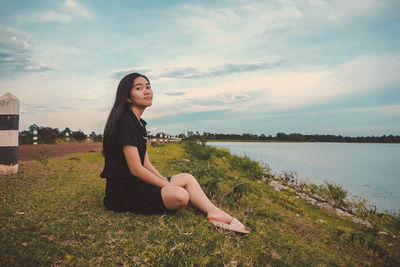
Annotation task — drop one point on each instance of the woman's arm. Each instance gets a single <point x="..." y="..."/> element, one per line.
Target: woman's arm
<point x="135" y="167"/>
<point x="150" y="167"/>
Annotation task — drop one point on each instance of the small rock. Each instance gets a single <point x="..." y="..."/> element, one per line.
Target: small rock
<point x="382" y="233"/>
<point x="322" y="221"/>
<point x="24" y="244"/>
<point x="297" y="215"/>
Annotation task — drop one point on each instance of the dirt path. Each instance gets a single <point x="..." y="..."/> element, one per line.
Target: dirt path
<point x="29" y="152"/>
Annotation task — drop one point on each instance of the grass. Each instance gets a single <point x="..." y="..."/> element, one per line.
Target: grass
<point x="52" y="214"/>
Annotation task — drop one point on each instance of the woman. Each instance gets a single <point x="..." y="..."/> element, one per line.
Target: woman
<point x="133" y="183"/>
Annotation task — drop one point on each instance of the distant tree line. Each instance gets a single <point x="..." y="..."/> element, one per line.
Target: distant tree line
<point x="293" y="137"/>
<point x="48" y="135"/>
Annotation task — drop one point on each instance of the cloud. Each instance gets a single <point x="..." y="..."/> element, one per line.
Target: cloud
<point x="14" y="49"/>
<point x="239" y="20"/>
<point x="221" y="70"/>
<point x="63" y="107"/>
<point x="40" y="66"/>
<point x="194" y="72"/>
<point x="66" y="12"/>
<point x="388" y="109"/>
<point x="174" y="93"/>
<point x="256" y="93"/>
<point x="15" y="53"/>
<point x="120" y="73"/>
<point x="12" y="40"/>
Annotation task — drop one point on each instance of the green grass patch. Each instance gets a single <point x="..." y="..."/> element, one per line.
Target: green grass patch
<point x="52" y="214"/>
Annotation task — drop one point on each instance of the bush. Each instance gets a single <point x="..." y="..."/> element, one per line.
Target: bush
<point x="337" y="194"/>
<point x="47" y="135"/>
<point x="252" y="169"/>
<point x="25" y="138"/>
<point x="154" y="144"/>
<point x="78" y="135"/>
<point x="239" y="189"/>
<point x="198" y="151"/>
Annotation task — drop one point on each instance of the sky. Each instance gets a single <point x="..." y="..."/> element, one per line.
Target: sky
<point x="260" y="67"/>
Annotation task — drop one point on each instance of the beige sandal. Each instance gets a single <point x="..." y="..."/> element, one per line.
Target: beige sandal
<point x="234" y="226"/>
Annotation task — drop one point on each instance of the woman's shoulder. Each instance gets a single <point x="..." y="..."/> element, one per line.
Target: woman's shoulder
<point x="124" y="118"/>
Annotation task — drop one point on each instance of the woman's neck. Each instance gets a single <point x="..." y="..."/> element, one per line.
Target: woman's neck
<point x="138" y="111"/>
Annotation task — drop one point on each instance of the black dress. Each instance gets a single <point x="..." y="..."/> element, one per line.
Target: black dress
<point x="124" y="191"/>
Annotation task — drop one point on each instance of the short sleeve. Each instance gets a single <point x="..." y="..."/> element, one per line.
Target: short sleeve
<point x="126" y="132"/>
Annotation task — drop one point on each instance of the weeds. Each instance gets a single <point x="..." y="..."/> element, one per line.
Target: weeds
<point x="154" y="144"/>
<point x="240" y="189"/>
<point x="55" y="216"/>
<point x="43" y="157"/>
<point x="199" y="152"/>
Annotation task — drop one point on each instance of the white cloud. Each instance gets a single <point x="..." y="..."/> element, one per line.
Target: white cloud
<point x="258" y="92"/>
<point x="12" y="40"/>
<point x="67" y="12"/>
<point x="238" y="22"/>
<point x="16" y="52"/>
<point x="387" y="109"/>
<point x="41" y="66"/>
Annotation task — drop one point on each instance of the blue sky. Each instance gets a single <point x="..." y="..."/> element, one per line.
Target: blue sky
<point x="313" y="67"/>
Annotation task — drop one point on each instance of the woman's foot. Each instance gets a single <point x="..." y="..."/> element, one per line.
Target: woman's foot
<point x="219" y="215"/>
<point x="234" y="226"/>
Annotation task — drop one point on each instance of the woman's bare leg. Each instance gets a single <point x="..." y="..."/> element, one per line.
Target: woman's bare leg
<point x="174" y="197"/>
<point x="198" y="198"/>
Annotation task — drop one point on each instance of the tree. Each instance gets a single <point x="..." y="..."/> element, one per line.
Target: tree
<point x="47" y="135"/>
<point x="25" y="138"/>
<point x="33" y="127"/>
<point x="98" y="138"/>
<point x="78" y="135"/>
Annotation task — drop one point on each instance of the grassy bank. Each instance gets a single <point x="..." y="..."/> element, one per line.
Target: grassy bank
<point x="52" y="214"/>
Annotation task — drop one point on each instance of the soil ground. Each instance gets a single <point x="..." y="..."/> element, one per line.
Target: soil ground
<point x="30" y="152"/>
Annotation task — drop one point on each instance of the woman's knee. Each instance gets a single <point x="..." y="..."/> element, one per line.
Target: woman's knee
<point x="182" y="179"/>
<point x="182" y="197"/>
<point x="174" y="197"/>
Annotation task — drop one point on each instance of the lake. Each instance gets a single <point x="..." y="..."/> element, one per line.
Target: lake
<point x="364" y="169"/>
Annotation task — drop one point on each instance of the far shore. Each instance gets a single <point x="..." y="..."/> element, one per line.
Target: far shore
<point x="290" y="141"/>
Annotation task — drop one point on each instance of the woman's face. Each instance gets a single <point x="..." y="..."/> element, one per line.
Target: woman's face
<point x="141" y="93"/>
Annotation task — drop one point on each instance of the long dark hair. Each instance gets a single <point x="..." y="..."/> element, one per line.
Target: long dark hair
<point x="120" y="104"/>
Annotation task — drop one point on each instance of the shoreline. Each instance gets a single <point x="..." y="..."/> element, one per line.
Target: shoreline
<point x="375" y="199"/>
<point x="276" y="141"/>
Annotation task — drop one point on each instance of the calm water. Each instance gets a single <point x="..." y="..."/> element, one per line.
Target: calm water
<point x="369" y="170"/>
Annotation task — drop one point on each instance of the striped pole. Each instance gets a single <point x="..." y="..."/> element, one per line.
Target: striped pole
<point x="35" y="137"/>
<point x="9" y="120"/>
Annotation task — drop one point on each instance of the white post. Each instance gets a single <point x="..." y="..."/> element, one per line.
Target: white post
<point x="35" y="137"/>
<point x="67" y="135"/>
<point x="9" y="123"/>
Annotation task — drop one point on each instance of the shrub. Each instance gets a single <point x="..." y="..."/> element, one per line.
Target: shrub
<point x="78" y="136"/>
<point x="212" y="187"/>
<point x="239" y="189"/>
<point x="252" y="169"/>
<point x="43" y="157"/>
<point x="337" y="194"/>
<point x="199" y="152"/>
<point x="154" y="144"/>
